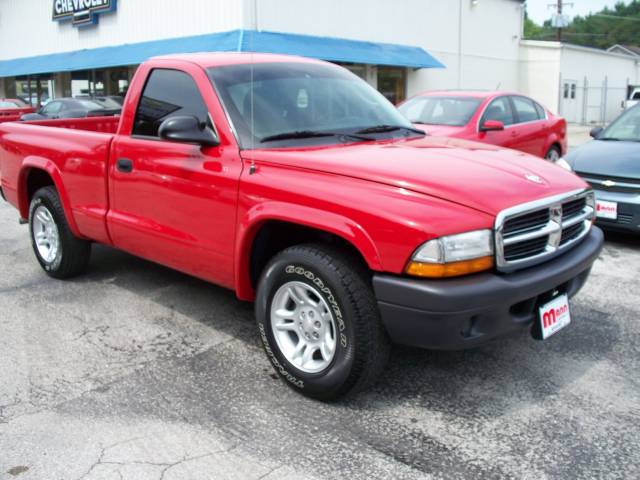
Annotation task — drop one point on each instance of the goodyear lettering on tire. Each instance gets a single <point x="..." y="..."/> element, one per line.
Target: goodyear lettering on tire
<point x="317" y="281"/>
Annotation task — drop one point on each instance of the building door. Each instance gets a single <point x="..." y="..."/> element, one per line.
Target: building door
<point x="569" y="101"/>
<point x="392" y="83"/>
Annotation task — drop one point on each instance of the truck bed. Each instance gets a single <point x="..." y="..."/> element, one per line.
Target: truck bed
<point x="77" y="149"/>
<point x="91" y="124"/>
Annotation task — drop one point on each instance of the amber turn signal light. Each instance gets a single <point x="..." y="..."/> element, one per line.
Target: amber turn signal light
<point x="453" y="269"/>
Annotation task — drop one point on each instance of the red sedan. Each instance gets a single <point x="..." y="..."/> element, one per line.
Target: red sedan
<point x="506" y="119"/>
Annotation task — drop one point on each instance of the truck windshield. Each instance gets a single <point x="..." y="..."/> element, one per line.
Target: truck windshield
<point x="276" y="104"/>
<point x="450" y="111"/>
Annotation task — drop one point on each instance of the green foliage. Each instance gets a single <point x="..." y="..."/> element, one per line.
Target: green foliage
<point x="532" y="29"/>
<point x="620" y="24"/>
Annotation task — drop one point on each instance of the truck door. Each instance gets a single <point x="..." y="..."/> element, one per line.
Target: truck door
<point x="171" y="202"/>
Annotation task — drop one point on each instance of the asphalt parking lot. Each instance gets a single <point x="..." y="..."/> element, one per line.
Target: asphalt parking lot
<point x="137" y="372"/>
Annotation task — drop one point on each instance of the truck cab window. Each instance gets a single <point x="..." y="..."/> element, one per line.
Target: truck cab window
<point x="167" y="93"/>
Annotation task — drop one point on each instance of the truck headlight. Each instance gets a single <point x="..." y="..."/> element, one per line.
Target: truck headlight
<point x="562" y="163"/>
<point x="453" y="255"/>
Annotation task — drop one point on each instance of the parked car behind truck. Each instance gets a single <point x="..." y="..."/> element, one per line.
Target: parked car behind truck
<point x="11" y="109"/>
<point x="509" y="120"/>
<point x="73" y="108"/>
<point x="299" y="186"/>
<point x="611" y="165"/>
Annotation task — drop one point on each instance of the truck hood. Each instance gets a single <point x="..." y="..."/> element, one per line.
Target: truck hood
<point x="480" y="176"/>
<point x="440" y="130"/>
<point x="617" y="159"/>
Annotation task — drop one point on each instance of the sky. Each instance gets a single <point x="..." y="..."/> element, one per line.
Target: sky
<point x="539" y="12"/>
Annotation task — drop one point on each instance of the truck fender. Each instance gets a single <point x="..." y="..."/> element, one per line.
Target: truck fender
<point x="258" y="215"/>
<point x="39" y="163"/>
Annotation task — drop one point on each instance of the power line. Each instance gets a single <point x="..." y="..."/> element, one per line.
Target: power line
<point x="616" y="17"/>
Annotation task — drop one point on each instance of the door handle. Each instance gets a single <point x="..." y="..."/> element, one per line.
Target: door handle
<point x="124" y="165"/>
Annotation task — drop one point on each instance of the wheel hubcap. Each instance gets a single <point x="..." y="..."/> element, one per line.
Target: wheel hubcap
<point x="45" y="234"/>
<point x="553" y="155"/>
<point x="303" y="327"/>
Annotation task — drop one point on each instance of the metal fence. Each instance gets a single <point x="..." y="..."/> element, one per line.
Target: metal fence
<point x="591" y="104"/>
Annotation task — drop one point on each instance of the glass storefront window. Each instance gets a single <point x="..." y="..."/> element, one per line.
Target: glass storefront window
<point x="392" y="83"/>
<point x="357" y="69"/>
<point x="34" y="90"/>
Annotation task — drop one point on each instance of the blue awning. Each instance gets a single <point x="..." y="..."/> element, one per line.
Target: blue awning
<point x="325" y="48"/>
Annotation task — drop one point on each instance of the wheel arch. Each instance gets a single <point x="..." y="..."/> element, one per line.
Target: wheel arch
<point x="37" y="173"/>
<point x="262" y="231"/>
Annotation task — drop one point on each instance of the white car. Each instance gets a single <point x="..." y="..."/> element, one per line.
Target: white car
<point x="634" y="98"/>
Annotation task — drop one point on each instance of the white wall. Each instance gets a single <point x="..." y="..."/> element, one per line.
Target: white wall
<point x="547" y="66"/>
<point x="540" y="72"/>
<point x="26" y="28"/>
<point x="596" y="65"/>
<point x="489" y="47"/>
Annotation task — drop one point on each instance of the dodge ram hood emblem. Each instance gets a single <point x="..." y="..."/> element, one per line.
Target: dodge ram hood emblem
<point x="534" y="178"/>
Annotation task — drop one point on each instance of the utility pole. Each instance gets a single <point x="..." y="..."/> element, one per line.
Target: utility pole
<point x="559" y="31"/>
<point x="559" y="19"/>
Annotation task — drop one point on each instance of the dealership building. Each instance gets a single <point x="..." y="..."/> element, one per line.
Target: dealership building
<point x="55" y="48"/>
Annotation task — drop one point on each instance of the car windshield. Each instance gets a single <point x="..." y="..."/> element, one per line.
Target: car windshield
<point x="626" y="127"/>
<point x="450" y="111"/>
<point x="271" y="104"/>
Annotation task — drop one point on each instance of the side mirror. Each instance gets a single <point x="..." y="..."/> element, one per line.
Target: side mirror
<point x="595" y="132"/>
<point x="492" y="126"/>
<point x="187" y="129"/>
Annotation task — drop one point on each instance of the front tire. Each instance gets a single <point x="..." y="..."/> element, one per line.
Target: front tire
<point x="319" y="322"/>
<point x="60" y="254"/>
<point x="553" y="154"/>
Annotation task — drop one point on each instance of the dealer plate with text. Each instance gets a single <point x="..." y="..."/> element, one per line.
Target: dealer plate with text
<point x="554" y="316"/>
<point x="606" y="209"/>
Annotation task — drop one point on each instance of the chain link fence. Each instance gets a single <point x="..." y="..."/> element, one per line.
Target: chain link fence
<point x="591" y="103"/>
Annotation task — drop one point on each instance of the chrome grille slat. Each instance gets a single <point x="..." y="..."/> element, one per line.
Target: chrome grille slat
<point x="543" y="232"/>
<point x="534" y="232"/>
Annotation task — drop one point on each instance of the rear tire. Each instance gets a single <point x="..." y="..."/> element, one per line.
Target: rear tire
<point x="60" y="253"/>
<point x="553" y="154"/>
<point x="341" y="336"/>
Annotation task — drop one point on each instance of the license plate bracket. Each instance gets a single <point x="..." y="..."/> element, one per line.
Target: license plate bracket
<point x="607" y="210"/>
<point x="553" y="315"/>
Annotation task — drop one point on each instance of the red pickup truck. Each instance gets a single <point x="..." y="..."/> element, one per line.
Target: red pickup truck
<point x="299" y="186"/>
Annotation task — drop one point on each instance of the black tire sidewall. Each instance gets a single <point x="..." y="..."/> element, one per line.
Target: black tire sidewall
<point x="555" y="149"/>
<point x="41" y="199"/>
<point x="289" y="267"/>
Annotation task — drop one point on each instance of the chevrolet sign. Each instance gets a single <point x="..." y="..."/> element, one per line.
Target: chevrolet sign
<point x="82" y="12"/>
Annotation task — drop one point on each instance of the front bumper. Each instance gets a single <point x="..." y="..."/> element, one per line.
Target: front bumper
<point x="466" y="312"/>
<point x="628" y="211"/>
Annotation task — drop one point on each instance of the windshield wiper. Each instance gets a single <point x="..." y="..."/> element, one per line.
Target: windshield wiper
<point x="388" y="128"/>
<point x="309" y="134"/>
<point x="609" y="139"/>
<point x="295" y="134"/>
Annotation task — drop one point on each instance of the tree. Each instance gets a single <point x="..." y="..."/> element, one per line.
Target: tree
<point x="609" y="26"/>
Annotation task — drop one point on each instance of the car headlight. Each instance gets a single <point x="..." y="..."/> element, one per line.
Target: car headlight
<point x="453" y="255"/>
<point x="562" y="163"/>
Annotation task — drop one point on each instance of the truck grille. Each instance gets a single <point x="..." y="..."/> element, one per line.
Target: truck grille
<point x="538" y="231"/>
